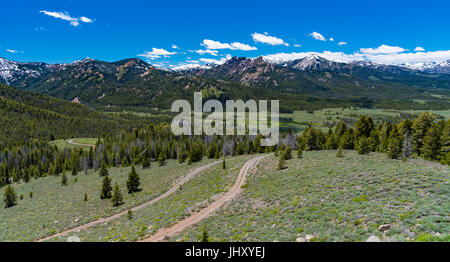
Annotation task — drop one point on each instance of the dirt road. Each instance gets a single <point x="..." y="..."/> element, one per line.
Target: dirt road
<point x="197" y="217"/>
<point x="106" y="219"/>
<point x="78" y="144"/>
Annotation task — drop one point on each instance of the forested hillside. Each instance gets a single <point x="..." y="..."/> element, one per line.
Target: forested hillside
<point x="26" y="116"/>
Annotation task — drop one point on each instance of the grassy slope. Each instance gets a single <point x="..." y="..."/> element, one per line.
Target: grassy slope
<point x="193" y="195"/>
<point x="336" y="199"/>
<point x="54" y="207"/>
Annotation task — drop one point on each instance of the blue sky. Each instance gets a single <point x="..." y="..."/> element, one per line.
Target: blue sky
<point x="210" y="31"/>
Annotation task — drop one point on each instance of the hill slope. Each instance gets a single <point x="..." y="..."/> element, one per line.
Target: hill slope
<point x="335" y="199"/>
<point x="26" y="115"/>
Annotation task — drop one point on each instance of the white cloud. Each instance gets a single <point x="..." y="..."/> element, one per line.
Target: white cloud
<point x="211" y="44"/>
<point x="383" y="49"/>
<point x="317" y="36"/>
<point x="12" y="51"/>
<point x="331" y="39"/>
<point x="419" y="49"/>
<point x="157" y="53"/>
<point x="175" y="47"/>
<point x="86" y="20"/>
<point x="74" y="21"/>
<point x="216" y="61"/>
<point x="297" y="45"/>
<point x="241" y="46"/>
<point x="207" y="51"/>
<point x="342" y="43"/>
<point x="267" y="39"/>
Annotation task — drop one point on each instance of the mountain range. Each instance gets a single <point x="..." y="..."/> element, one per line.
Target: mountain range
<point x="135" y="83"/>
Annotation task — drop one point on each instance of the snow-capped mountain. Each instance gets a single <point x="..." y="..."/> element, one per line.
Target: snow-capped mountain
<point x="12" y="71"/>
<point x="431" y="67"/>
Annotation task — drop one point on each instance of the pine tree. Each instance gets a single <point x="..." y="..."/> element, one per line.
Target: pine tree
<point x="339" y="152"/>
<point x="363" y="146"/>
<point x="133" y="181"/>
<point x="223" y="163"/>
<point x="106" y="188"/>
<point x="445" y="141"/>
<point x="117" y="196"/>
<point x="407" y="147"/>
<point x="31" y="194"/>
<point x="74" y="170"/>
<point x="419" y="129"/>
<point x="394" y="149"/>
<point x="299" y="152"/>
<point x="281" y="163"/>
<point x="130" y="214"/>
<point x="431" y="144"/>
<point x="161" y="159"/>
<point x="85" y="197"/>
<point x="64" y="179"/>
<point x="204" y="236"/>
<point x="103" y="170"/>
<point x="9" y="197"/>
<point x="26" y="176"/>
<point x="146" y="162"/>
<point x="287" y="154"/>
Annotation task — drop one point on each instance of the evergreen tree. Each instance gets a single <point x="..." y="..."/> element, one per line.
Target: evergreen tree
<point x="407" y="146"/>
<point x="103" y="170"/>
<point x="281" y="163"/>
<point x="339" y="152"/>
<point x="445" y="160"/>
<point x="346" y="141"/>
<point x="431" y="144"/>
<point x="146" y="162"/>
<point x="85" y="197"/>
<point x="299" y="152"/>
<point x="9" y="197"/>
<point x="117" y="196"/>
<point x="395" y="143"/>
<point x="223" y="163"/>
<point x="363" y="146"/>
<point x="287" y="154"/>
<point x="106" y="188"/>
<point x="130" y="214"/>
<point x="64" y="179"/>
<point x="74" y="170"/>
<point x="204" y="236"/>
<point x="384" y="137"/>
<point x="419" y="129"/>
<point x="161" y="159"/>
<point x="133" y="181"/>
<point x="445" y="140"/>
<point x="26" y="176"/>
<point x="363" y="127"/>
